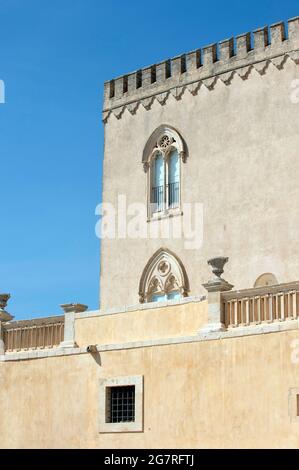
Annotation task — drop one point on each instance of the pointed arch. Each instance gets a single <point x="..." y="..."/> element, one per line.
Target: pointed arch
<point x="160" y="132"/>
<point x="162" y="158"/>
<point x="164" y="273"/>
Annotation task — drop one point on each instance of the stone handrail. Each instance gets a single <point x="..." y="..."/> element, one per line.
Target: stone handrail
<point x="261" y="304"/>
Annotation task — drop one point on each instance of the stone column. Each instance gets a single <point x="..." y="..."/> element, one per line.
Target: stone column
<point x="70" y="311"/>
<point x="4" y="317"/>
<point x="214" y="287"/>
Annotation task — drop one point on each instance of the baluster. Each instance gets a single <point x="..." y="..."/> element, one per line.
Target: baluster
<point x="31" y="337"/>
<point x="285" y="297"/>
<point x="226" y="307"/>
<point x="270" y="303"/>
<point x="20" y="338"/>
<point x="241" y="303"/>
<point x="47" y="334"/>
<point x="282" y="304"/>
<point x="293" y="305"/>
<point x="278" y="309"/>
<point x="43" y="336"/>
<point x="25" y="332"/>
<point x="52" y="335"/>
<point x="238" y="312"/>
<point x="38" y="336"/>
<point x="257" y="310"/>
<point x="262" y="309"/>
<point x="266" y="305"/>
<point x="7" y="340"/>
<point x="247" y="321"/>
<point x="251" y="307"/>
<point x="233" y="313"/>
<point x="11" y="333"/>
<point x="56" y="330"/>
<point x="291" y="312"/>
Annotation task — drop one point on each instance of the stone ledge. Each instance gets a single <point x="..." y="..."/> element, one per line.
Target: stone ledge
<point x="41" y="353"/>
<point x="144" y="306"/>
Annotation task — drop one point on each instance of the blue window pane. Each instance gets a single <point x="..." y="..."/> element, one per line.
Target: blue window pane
<point x="173" y="179"/>
<point x="159" y="171"/>
<point x="161" y="297"/>
<point x="158" y="183"/>
<point x="174" y="169"/>
<point x="158" y="298"/>
<point x="174" y="296"/>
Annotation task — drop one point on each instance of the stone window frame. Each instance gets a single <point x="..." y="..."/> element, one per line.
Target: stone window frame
<point x="151" y="149"/>
<point x="173" y="279"/>
<point x="132" y="426"/>
<point x="293" y="405"/>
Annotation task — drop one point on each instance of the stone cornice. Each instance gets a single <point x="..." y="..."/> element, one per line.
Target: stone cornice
<point x="203" y="68"/>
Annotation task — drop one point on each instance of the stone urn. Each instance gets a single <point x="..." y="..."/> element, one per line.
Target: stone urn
<point x="217" y="284"/>
<point x="4" y="316"/>
<point x="217" y="265"/>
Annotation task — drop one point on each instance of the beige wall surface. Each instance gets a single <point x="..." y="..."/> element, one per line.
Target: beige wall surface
<point x="158" y="323"/>
<point x="228" y="393"/>
<point x="243" y="166"/>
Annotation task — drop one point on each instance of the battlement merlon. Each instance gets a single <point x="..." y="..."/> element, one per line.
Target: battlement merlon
<point x="232" y="54"/>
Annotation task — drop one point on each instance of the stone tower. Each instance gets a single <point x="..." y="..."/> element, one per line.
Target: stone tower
<point x="217" y="127"/>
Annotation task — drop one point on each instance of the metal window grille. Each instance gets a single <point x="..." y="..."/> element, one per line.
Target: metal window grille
<point x="173" y="194"/>
<point x="121" y="404"/>
<point x="158" y="198"/>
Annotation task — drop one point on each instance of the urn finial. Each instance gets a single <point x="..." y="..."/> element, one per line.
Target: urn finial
<point x="217" y="265"/>
<point x="217" y="284"/>
<point x="4" y="316"/>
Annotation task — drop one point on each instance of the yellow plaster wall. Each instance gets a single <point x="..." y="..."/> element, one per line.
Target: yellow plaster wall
<point x="222" y="393"/>
<point x="171" y="321"/>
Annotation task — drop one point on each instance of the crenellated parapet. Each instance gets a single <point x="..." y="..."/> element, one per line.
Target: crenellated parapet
<point x="204" y="66"/>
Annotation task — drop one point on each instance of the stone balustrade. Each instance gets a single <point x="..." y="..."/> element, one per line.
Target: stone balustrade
<point x="260" y="305"/>
<point x="38" y="333"/>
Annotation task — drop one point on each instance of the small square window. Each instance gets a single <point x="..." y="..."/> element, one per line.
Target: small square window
<point x="121" y="404"/>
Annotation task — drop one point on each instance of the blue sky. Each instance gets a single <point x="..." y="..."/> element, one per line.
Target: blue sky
<point x="54" y="58"/>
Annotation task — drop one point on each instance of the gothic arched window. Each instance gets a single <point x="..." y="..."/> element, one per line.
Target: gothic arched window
<point x="162" y="158"/>
<point x="163" y="278"/>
